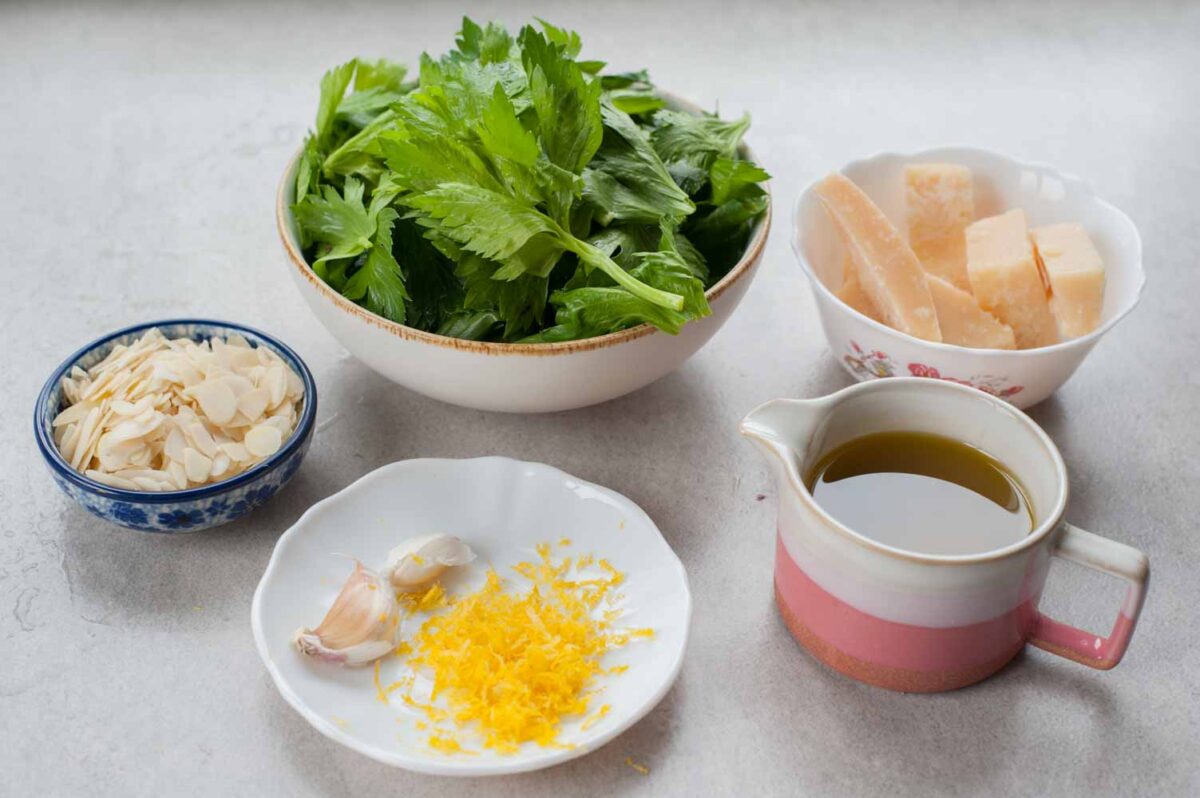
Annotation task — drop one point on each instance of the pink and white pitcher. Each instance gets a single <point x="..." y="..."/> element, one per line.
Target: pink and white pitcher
<point x="923" y="622"/>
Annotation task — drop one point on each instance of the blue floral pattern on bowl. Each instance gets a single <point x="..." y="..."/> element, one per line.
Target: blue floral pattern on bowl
<point x="184" y="510"/>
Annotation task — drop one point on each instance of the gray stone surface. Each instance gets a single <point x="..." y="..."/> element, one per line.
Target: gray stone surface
<point x="141" y="147"/>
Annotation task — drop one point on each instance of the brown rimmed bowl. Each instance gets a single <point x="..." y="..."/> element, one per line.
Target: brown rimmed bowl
<point x="513" y="378"/>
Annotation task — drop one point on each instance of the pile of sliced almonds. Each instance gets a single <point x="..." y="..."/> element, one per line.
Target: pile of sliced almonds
<point x="174" y="414"/>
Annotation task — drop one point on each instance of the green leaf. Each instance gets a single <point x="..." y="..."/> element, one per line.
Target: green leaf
<point x="360" y="109"/>
<point x="518" y="303"/>
<point x="473" y="325"/>
<point x="435" y="293"/>
<point x="671" y="240"/>
<point x="593" y="258"/>
<point x="308" y="176"/>
<point x="636" y="101"/>
<point x="598" y="310"/>
<point x="568" y="40"/>
<point x="721" y="234"/>
<point x="627" y="180"/>
<point x="488" y="223"/>
<point x="591" y="311"/>
<point x="689" y="144"/>
<point x="732" y="179"/>
<point x="333" y="88"/>
<point x="361" y="154"/>
<point x="380" y="74"/>
<point x="501" y="133"/>
<point x="622" y="241"/>
<point x="459" y="90"/>
<point x="487" y="45"/>
<point x="339" y="220"/>
<point x="421" y="161"/>
<point x="725" y="218"/>
<point x="667" y="271"/>
<point x="379" y="285"/>
<point x="623" y="80"/>
<point x="566" y="105"/>
<point x="680" y="136"/>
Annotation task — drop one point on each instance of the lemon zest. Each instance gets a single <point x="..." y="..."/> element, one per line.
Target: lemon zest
<point x="516" y="664"/>
<point x="447" y="745"/>
<point x="379" y="692"/>
<point x="596" y="718"/>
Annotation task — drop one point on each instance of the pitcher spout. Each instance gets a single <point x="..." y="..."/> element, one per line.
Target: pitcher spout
<point x="782" y="429"/>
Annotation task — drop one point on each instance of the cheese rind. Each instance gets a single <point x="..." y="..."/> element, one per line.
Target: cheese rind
<point x="1075" y="272"/>
<point x="886" y="267"/>
<point x="1005" y="278"/>
<point x="852" y="292"/>
<point x="963" y="322"/>
<point x="940" y="203"/>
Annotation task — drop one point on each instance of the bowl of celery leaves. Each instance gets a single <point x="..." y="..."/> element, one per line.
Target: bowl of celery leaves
<point x="516" y="229"/>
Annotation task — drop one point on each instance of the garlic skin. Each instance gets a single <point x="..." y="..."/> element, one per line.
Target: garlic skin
<point x="418" y="561"/>
<point x="361" y="625"/>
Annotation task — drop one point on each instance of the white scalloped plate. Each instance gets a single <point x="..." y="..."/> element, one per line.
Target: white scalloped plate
<point x="503" y="508"/>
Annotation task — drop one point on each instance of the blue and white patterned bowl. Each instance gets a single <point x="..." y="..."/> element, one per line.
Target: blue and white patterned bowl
<point x="179" y="510"/>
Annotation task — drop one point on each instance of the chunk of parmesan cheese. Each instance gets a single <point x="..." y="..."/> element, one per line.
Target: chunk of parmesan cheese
<point x="1005" y="278"/>
<point x="940" y="203"/>
<point x="886" y="267"/>
<point x="963" y="322"/>
<point x="852" y="293"/>
<point x="1076" y="275"/>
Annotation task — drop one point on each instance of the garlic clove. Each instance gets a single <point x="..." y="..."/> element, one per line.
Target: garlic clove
<point x="359" y="627"/>
<point x="418" y="561"/>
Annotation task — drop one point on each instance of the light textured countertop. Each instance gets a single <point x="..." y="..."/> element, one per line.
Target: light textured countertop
<point x="141" y="149"/>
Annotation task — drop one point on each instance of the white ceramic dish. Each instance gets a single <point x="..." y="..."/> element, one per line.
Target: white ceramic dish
<point x="514" y="378"/>
<point x="869" y="350"/>
<point x="503" y="508"/>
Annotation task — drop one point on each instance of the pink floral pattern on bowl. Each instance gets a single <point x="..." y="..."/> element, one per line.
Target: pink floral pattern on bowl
<point x="874" y="364"/>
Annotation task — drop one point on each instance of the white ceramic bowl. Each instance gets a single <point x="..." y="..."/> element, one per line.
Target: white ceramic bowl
<point x="869" y="350"/>
<point x="514" y="378"/>
<point x="503" y="508"/>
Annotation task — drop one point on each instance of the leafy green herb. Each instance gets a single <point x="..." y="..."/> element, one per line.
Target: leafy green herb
<point x="514" y="193"/>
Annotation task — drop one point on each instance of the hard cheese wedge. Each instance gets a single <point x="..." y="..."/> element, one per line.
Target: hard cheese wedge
<point x="852" y="292"/>
<point x="940" y="201"/>
<point x="1005" y="278"/>
<point x="963" y="322"/>
<point x="1076" y="275"/>
<point x="886" y="267"/>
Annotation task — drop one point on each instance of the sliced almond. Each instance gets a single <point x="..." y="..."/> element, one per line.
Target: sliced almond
<point x="196" y="465"/>
<point x="263" y="440"/>
<point x="216" y="399"/>
<point x="253" y="404"/>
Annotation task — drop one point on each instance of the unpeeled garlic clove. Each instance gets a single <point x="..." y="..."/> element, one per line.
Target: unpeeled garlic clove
<point x="420" y="560"/>
<point x="360" y="626"/>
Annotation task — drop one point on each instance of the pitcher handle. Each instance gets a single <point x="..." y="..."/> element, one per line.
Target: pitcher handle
<point x="1110" y="557"/>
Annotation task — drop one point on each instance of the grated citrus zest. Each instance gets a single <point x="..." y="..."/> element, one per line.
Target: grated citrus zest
<point x="596" y="718"/>
<point x="515" y="665"/>
<point x="379" y="692"/>
<point x="447" y="745"/>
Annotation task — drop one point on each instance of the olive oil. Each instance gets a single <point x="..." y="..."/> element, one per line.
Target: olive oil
<point x="922" y="493"/>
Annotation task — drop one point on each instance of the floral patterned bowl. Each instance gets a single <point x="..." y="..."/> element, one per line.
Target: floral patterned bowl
<point x="180" y="510"/>
<point x="870" y="350"/>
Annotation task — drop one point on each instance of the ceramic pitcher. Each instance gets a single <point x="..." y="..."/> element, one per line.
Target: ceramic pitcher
<point x="918" y="622"/>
